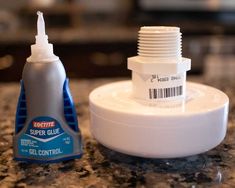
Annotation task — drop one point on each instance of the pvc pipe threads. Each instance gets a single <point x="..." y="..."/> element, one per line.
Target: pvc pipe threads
<point x="159" y="42"/>
<point x="159" y="71"/>
<point x="158" y="114"/>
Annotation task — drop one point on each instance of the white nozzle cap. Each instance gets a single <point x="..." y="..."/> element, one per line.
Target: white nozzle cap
<point x="41" y="51"/>
<point x="41" y="37"/>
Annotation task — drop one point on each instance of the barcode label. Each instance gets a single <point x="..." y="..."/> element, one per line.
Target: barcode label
<point x="161" y="93"/>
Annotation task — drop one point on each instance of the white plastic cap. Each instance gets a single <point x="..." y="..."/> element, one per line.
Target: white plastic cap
<point x="41" y="51"/>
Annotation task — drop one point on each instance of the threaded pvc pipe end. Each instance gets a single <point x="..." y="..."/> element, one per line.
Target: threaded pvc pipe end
<point x="159" y="42"/>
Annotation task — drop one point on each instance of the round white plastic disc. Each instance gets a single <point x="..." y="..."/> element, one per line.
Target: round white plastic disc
<point x="162" y="129"/>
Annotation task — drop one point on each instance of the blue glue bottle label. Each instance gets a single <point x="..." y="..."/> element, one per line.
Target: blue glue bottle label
<point x="45" y="139"/>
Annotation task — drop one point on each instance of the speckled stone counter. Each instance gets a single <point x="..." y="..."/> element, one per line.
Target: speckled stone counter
<point x="101" y="167"/>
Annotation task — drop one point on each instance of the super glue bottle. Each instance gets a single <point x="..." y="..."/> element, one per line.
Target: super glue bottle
<point x="46" y="128"/>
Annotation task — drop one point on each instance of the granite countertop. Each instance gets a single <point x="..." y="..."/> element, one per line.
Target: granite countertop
<point x="101" y="167"/>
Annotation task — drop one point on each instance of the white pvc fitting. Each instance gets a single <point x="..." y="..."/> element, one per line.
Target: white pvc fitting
<point x="159" y="71"/>
<point x="145" y="117"/>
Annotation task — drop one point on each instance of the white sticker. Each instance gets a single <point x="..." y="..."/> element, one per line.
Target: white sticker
<point x="159" y="87"/>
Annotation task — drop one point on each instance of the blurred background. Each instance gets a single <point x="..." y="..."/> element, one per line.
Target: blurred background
<point x="93" y="38"/>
